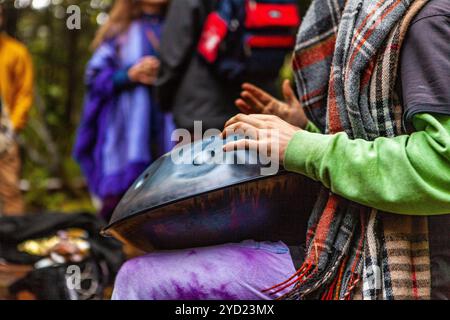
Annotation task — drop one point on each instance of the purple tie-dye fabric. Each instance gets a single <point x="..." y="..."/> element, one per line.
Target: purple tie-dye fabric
<point x="115" y="137"/>
<point x="233" y="271"/>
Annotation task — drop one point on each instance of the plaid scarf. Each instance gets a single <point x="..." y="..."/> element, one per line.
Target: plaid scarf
<point x="345" y="64"/>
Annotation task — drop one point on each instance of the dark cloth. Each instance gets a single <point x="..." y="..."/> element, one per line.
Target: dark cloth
<point x="97" y="270"/>
<point x="425" y="62"/>
<point x="439" y="234"/>
<point x="121" y="81"/>
<point x="53" y="283"/>
<point x="186" y="85"/>
<point x="15" y="230"/>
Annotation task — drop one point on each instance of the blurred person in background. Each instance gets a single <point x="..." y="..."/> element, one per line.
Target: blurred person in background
<point x="122" y="130"/>
<point x="209" y="48"/>
<point x="16" y="93"/>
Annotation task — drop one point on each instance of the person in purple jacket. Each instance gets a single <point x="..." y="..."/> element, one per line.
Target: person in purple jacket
<point x="122" y="130"/>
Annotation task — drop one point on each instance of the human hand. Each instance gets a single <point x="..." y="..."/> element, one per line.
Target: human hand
<point x="256" y="100"/>
<point x="265" y="132"/>
<point x="145" y="71"/>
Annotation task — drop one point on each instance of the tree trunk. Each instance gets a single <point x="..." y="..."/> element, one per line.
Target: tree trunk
<point x="72" y="84"/>
<point x="12" y="16"/>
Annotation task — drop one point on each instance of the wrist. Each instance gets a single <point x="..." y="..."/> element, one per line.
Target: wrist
<point x="305" y="151"/>
<point x="303" y="124"/>
<point x="132" y="75"/>
<point x="284" y="145"/>
<point x="298" y="119"/>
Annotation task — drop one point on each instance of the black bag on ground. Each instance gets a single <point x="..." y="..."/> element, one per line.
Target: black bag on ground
<point x="96" y="270"/>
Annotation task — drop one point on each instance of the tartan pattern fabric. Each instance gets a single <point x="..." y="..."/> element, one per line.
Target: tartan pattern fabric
<point x="313" y="55"/>
<point x="345" y="64"/>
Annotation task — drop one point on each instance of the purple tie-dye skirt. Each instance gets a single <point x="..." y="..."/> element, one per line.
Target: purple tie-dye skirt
<point x="225" y="272"/>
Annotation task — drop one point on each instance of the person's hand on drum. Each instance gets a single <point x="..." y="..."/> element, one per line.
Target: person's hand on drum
<point x="145" y="71"/>
<point x="261" y="132"/>
<point x="256" y="100"/>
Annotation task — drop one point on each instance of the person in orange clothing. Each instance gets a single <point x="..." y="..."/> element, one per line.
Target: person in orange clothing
<point x="16" y="93"/>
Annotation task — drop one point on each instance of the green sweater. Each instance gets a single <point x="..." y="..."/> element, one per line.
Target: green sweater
<point x="408" y="174"/>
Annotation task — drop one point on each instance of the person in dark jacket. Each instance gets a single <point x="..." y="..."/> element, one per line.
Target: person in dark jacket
<point x="186" y="85"/>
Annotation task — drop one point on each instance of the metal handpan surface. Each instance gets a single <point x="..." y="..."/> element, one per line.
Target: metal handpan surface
<point x="199" y="203"/>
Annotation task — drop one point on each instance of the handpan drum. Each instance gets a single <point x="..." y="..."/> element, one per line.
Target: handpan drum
<point x="199" y="201"/>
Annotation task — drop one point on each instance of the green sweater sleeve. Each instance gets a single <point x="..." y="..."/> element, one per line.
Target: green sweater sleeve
<point x="311" y="127"/>
<point x="408" y="174"/>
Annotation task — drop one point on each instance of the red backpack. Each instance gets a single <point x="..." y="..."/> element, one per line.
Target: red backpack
<point x="244" y="38"/>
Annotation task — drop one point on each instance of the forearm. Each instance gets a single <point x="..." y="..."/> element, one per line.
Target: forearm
<point x="408" y="174"/>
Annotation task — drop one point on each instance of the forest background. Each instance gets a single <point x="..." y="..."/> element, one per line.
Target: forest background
<point x="52" y="181"/>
